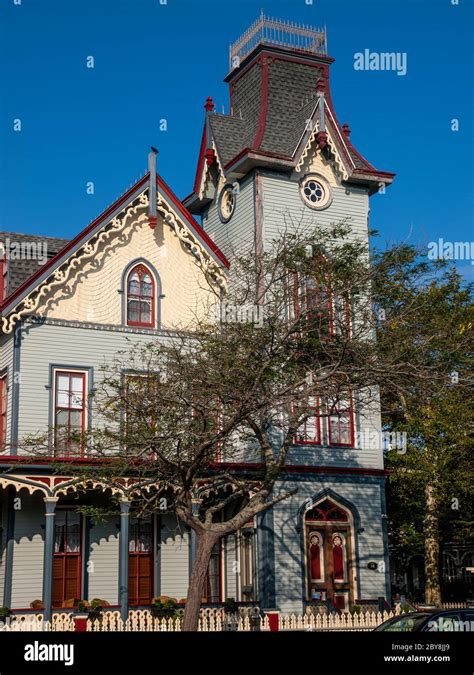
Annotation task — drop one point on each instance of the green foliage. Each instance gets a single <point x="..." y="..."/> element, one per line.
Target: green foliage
<point x="428" y="325"/>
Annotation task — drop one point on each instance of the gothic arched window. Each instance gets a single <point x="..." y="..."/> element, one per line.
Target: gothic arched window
<point x="339" y="556"/>
<point x="316" y="556"/>
<point x="327" y="510"/>
<point x="140" y="297"/>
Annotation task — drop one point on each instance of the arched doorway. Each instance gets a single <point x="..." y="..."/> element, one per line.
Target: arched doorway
<point x="329" y="554"/>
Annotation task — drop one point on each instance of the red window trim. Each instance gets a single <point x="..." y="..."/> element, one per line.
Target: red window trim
<point x="298" y="296"/>
<point x="137" y="554"/>
<point x="143" y="269"/>
<point x="65" y="554"/>
<point x="317" y="409"/>
<point x="3" y="410"/>
<point x="3" y="277"/>
<point x="331" y="412"/>
<point x="69" y="373"/>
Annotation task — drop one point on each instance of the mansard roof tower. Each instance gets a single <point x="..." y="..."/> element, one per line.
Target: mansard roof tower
<point x="281" y="116"/>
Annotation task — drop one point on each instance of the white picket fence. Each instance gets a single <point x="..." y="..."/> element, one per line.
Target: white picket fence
<point x="143" y="621"/>
<point x="211" y="620"/>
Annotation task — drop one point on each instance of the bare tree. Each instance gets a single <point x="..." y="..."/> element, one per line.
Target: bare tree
<point x="208" y="416"/>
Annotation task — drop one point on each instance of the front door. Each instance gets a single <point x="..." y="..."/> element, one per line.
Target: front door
<point x="329" y="566"/>
<point x="67" y="557"/>
<point x="140" y="561"/>
<point x="329" y="555"/>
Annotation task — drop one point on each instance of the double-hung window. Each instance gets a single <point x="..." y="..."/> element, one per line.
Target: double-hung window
<point x="69" y="412"/>
<point x="310" y="430"/>
<point x="341" y="421"/>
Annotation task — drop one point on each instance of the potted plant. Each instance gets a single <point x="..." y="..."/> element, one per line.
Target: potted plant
<point x="164" y="607"/>
<point x="81" y="606"/>
<point x="4" y="614"/>
<point x="37" y="604"/>
<point x="95" y="609"/>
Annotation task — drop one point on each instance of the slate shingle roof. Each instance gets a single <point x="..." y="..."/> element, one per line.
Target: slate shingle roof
<point x="269" y="116"/>
<point x="21" y="269"/>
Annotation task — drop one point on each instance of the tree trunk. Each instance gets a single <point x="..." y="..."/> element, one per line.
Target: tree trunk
<point x="205" y="544"/>
<point x="432" y="583"/>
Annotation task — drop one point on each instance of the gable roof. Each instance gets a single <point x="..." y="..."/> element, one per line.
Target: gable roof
<point x="64" y="250"/>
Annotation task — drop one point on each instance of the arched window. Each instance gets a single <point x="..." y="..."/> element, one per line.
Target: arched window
<point x="140" y="297"/>
<point x="316" y="556"/>
<point x="338" y="556"/>
<point x="327" y="510"/>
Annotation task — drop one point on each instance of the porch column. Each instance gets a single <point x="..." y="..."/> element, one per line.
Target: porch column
<point x="50" y="508"/>
<point x="123" y="559"/>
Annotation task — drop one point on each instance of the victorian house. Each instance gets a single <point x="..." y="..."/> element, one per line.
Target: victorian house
<point x="136" y="272"/>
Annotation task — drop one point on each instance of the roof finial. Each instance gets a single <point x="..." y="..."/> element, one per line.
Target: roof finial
<point x="209" y="104"/>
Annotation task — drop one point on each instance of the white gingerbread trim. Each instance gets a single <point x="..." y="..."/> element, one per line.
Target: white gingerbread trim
<point x="89" y="250"/>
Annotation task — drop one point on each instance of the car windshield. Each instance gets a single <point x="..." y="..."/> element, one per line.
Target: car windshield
<point x="403" y="624"/>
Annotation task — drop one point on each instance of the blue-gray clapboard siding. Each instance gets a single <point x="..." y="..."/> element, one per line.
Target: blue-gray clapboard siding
<point x="28" y="547"/>
<point x="365" y="495"/>
<point x="239" y="233"/>
<point x="104" y="560"/>
<point x="174" y="557"/>
<point x="65" y="346"/>
<point x="71" y="346"/>
<point x="283" y="208"/>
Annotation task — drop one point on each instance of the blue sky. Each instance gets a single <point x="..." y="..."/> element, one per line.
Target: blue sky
<point x="158" y="61"/>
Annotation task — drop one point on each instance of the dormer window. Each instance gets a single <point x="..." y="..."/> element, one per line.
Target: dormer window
<point x="141" y="297"/>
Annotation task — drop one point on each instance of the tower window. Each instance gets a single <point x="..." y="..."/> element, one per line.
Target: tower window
<point x="140" y="297"/>
<point x="315" y="191"/>
<point x="227" y="201"/>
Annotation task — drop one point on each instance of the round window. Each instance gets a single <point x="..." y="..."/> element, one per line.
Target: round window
<point x="227" y="203"/>
<point x="315" y="191"/>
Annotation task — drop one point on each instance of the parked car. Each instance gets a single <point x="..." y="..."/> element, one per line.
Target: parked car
<point x="425" y="621"/>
